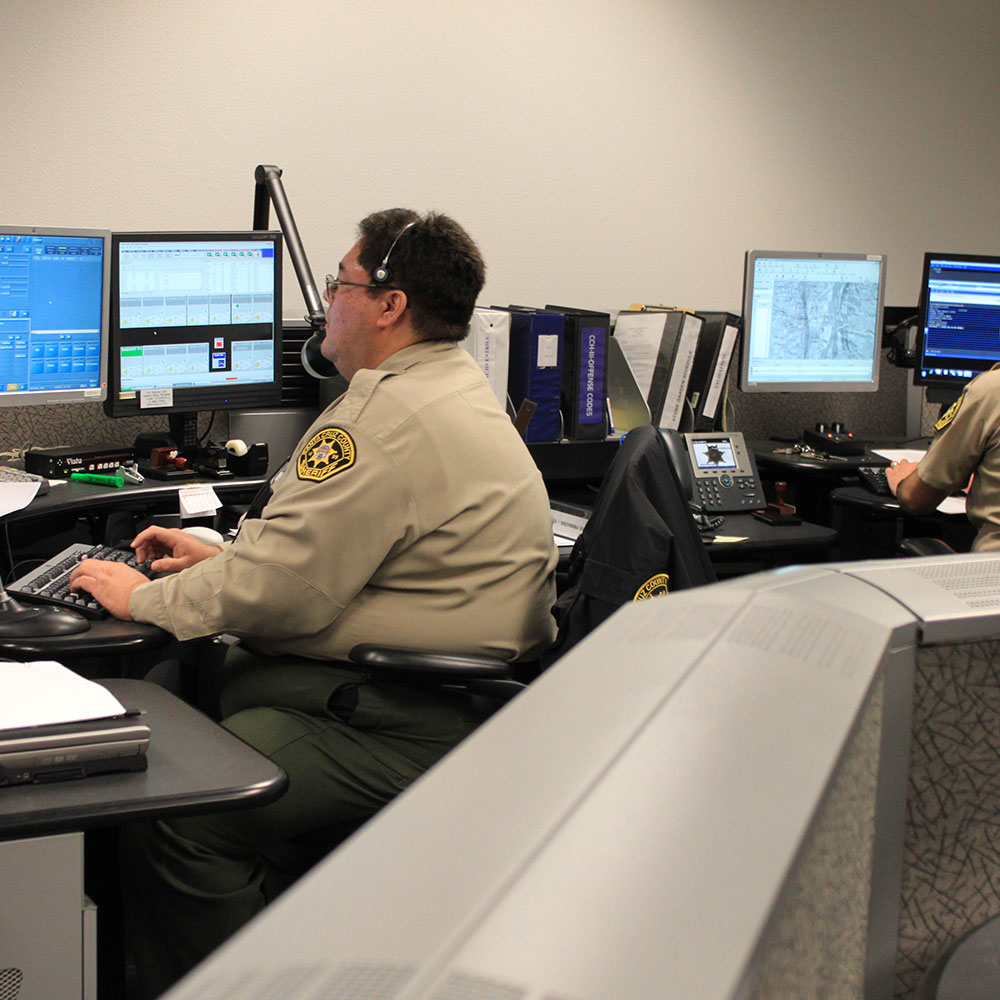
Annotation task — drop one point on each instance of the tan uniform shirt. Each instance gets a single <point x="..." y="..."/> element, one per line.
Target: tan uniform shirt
<point x="410" y="514"/>
<point x="968" y="441"/>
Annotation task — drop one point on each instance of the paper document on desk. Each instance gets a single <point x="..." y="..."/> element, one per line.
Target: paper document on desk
<point x="16" y="496"/>
<point x="566" y="527"/>
<point x="901" y="454"/>
<point x="949" y="505"/>
<point x="44" y="693"/>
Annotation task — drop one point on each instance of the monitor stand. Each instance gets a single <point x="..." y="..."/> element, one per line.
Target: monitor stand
<point x="19" y="621"/>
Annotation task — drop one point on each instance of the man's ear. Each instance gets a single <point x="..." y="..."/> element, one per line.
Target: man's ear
<point x="393" y="306"/>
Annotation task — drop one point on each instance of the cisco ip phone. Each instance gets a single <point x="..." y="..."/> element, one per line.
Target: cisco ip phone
<point x="717" y="471"/>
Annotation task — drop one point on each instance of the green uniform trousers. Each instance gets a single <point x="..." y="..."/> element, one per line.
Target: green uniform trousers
<point x="348" y="747"/>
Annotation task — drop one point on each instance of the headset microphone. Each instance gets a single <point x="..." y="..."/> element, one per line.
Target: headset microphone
<point x="382" y="274"/>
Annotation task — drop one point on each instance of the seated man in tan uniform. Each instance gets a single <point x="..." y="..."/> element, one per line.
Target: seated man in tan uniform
<point x="966" y="443"/>
<point x="410" y="514"/>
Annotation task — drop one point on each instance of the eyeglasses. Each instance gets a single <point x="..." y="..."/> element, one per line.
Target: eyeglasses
<point x="332" y="284"/>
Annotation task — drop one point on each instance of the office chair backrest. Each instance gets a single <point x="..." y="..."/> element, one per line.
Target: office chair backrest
<point x="640" y="542"/>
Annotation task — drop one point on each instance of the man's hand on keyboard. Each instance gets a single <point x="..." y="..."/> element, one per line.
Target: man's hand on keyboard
<point x="171" y="549"/>
<point x="111" y="583"/>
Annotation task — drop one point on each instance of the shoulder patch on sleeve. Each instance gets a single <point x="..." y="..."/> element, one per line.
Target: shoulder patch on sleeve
<point x="655" y="586"/>
<point x="326" y="453"/>
<point x="949" y="415"/>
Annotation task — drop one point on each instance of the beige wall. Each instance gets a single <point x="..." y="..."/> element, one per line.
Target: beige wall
<point x="601" y="152"/>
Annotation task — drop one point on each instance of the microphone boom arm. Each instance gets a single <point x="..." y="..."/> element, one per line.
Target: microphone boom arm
<point x="269" y="189"/>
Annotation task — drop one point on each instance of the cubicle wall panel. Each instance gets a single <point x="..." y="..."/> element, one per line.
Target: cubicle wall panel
<point x="817" y="944"/>
<point x="951" y="875"/>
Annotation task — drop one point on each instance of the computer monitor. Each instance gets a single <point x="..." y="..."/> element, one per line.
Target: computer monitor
<point x="195" y="325"/>
<point x="958" y="321"/>
<point x="812" y="322"/>
<point x="54" y="298"/>
<point x="53" y="315"/>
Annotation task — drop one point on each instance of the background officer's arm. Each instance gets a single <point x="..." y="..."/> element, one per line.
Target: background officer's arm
<point x="913" y="494"/>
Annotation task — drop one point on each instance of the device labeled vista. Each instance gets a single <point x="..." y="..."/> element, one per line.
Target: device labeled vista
<point x="717" y="471"/>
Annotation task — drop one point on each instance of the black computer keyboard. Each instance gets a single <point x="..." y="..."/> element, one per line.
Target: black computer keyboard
<point x="49" y="583"/>
<point x="873" y="479"/>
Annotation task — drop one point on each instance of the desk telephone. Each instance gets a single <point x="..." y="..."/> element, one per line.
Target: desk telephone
<point x="717" y="471"/>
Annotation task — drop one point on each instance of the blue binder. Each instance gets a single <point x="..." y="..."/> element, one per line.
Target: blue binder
<point x="535" y="371"/>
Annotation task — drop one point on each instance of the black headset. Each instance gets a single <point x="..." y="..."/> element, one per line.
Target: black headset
<point x="382" y="274"/>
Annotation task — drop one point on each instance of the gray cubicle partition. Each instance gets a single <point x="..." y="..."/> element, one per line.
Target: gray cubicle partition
<point x="708" y="798"/>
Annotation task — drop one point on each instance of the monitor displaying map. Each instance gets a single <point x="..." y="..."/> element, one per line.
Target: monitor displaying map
<point x="812" y="321"/>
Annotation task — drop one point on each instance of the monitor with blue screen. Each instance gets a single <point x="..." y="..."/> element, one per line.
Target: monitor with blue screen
<point x="958" y="323"/>
<point x="54" y="294"/>
<point x="812" y="322"/>
<point x="195" y="324"/>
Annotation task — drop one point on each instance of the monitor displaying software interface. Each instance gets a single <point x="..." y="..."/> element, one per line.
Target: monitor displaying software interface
<point x="812" y="322"/>
<point x="53" y="315"/>
<point x="196" y="321"/>
<point x="958" y="324"/>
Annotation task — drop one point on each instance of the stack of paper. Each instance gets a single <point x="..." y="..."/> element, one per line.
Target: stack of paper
<point x="44" y="693"/>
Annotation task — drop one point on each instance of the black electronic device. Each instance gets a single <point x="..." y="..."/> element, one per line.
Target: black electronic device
<point x="59" y="463"/>
<point x="873" y="479"/>
<point x="717" y="471"/>
<point x="834" y="439"/>
<point x="957" y="321"/>
<point x="195" y="325"/>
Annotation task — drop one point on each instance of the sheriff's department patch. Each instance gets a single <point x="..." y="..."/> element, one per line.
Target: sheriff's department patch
<point x="325" y="454"/>
<point x="949" y="415"/>
<point x="655" y="586"/>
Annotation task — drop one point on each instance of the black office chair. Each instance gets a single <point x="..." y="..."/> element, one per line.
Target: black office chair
<point x="925" y="547"/>
<point x="640" y="541"/>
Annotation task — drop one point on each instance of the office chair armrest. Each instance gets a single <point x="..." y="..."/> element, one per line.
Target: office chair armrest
<point x="925" y="547"/>
<point x="415" y="662"/>
<point x="478" y="675"/>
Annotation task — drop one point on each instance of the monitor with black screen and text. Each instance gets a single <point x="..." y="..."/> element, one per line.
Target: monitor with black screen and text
<point x="54" y="298"/>
<point x="195" y="322"/>
<point x="958" y="323"/>
<point x="812" y="322"/>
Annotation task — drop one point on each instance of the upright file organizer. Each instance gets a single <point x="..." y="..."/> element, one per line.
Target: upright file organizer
<point x="584" y="373"/>
<point x="706" y="387"/>
<point x="535" y="371"/>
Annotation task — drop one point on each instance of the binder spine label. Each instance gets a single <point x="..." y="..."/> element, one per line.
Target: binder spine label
<point x="673" y="404"/>
<point x="721" y="371"/>
<point x="593" y="341"/>
<point x="548" y="350"/>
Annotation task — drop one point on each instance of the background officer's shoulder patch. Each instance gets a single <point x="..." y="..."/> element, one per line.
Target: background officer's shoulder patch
<point x="326" y="453"/>
<point x="949" y="415"/>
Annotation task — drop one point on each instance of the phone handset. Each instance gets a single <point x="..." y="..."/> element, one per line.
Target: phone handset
<point x="680" y="460"/>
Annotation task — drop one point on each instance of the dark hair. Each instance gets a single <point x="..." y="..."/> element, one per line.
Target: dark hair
<point x="435" y="262"/>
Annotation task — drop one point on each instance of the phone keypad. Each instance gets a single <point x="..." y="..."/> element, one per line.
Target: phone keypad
<point x="729" y="492"/>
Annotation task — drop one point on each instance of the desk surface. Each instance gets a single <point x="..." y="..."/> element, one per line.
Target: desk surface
<point x="105" y="637"/>
<point x="194" y="766"/>
<point x="761" y="538"/>
<point x="72" y="496"/>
